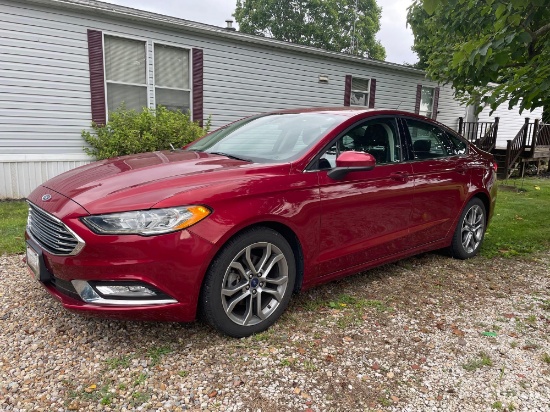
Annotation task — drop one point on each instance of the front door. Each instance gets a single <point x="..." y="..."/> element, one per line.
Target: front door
<point x="365" y="215"/>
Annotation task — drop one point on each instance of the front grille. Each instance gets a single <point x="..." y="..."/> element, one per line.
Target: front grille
<point x="51" y="233"/>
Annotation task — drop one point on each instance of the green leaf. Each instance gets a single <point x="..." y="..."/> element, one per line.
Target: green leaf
<point x="508" y="39"/>
<point x="525" y="37"/>
<point x="519" y="3"/>
<point x="457" y="58"/>
<point x="469" y="47"/>
<point x="501" y="58"/>
<point x="500" y="10"/>
<point x="533" y="95"/>
<point x="483" y="50"/>
<point x="489" y="334"/>
<point x="544" y="86"/>
<point x="499" y="24"/>
<point x="430" y="6"/>
<point x="514" y="19"/>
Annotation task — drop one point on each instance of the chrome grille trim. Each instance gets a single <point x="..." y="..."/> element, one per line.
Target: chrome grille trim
<point x="51" y="233"/>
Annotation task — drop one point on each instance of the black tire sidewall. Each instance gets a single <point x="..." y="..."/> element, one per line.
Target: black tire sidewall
<point x="210" y="303"/>
<point x="457" y="249"/>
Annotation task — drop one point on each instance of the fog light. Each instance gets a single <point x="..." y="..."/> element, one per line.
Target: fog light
<point x="125" y="293"/>
<point x="134" y="291"/>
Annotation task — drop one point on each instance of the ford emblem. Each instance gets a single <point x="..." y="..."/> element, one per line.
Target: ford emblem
<point x="46" y="197"/>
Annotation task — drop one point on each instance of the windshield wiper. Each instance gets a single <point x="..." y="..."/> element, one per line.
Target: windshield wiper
<point x="231" y="156"/>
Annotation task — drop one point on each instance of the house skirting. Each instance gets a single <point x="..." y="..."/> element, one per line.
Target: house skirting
<point x="21" y="174"/>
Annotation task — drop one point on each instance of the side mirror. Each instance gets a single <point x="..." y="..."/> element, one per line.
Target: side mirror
<point x="352" y="162"/>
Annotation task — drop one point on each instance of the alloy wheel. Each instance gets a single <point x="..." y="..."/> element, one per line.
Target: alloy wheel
<point x="472" y="229"/>
<point x="254" y="283"/>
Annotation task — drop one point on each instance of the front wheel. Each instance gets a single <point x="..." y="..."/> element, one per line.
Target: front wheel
<point x="249" y="284"/>
<point x="470" y="230"/>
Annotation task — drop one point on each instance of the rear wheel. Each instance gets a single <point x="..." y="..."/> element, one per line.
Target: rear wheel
<point x="470" y="230"/>
<point x="249" y="284"/>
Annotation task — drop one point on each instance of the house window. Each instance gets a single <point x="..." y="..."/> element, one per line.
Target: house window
<point x="172" y="86"/>
<point x="426" y="101"/>
<point x="360" y="91"/>
<point x="119" y="74"/>
<point x="125" y="73"/>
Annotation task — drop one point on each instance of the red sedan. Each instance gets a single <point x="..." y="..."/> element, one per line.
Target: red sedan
<point x="235" y="223"/>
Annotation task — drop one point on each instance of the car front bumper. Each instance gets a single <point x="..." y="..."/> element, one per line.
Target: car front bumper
<point x="173" y="264"/>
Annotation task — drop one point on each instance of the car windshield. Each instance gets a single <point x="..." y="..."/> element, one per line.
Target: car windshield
<point x="269" y="138"/>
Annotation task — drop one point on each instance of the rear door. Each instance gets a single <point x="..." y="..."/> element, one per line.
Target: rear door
<point x="441" y="171"/>
<point x="365" y="215"/>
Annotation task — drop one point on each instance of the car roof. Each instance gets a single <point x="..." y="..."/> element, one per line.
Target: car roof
<point x="349" y="112"/>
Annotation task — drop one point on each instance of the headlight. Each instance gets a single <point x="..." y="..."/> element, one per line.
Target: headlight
<point x="147" y="222"/>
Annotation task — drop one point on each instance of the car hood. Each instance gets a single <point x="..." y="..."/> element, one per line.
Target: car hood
<point x="141" y="181"/>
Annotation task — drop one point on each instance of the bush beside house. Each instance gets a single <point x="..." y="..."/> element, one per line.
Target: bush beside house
<point x="129" y="132"/>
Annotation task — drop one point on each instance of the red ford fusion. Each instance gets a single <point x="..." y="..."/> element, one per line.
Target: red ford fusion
<point x="232" y="225"/>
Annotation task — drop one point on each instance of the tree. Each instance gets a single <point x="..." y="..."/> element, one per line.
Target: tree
<point x="326" y="24"/>
<point x="490" y="51"/>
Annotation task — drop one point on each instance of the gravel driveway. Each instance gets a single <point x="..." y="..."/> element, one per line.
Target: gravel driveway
<point x="426" y="333"/>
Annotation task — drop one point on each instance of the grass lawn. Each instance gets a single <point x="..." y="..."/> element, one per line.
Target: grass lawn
<point x="13" y="218"/>
<point x="520" y="225"/>
<point x="521" y="222"/>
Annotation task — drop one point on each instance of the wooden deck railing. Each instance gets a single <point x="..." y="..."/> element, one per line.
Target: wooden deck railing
<point x="543" y="134"/>
<point x="482" y="134"/>
<point x="515" y="147"/>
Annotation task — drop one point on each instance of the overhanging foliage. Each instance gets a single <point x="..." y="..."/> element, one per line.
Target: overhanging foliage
<point x="490" y="51"/>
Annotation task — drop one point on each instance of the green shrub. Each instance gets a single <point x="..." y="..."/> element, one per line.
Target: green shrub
<point x="129" y="132"/>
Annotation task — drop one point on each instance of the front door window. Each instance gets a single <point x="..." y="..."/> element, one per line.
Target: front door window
<point x="377" y="137"/>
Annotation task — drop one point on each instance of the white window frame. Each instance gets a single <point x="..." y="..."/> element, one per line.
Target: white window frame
<point x="190" y="90"/>
<point x="147" y="74"/>
<point x="366" y="92"/>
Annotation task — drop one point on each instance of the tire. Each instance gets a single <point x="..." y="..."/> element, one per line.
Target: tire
<point x="470" y="230"/>
<point x="249" y="284"/>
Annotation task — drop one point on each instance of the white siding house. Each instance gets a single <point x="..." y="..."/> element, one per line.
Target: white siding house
<point x="510" y="121"/>
<point x="63" y="63"/>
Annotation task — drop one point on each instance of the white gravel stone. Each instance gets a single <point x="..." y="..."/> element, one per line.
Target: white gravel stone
<point x="421" y="321"/>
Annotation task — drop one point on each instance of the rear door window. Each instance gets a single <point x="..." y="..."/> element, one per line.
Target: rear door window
<point x="429" y="141"/>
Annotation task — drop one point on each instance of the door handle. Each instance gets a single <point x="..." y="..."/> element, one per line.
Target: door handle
<point x="400" y="176"/>
<point x="461" y="169"/>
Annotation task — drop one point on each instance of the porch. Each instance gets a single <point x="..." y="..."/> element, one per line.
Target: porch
<point x="530" y="145"/>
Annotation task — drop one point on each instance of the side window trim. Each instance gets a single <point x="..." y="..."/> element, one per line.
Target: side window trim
<point x="406" y="141"/>
<point x="311" y="166"/>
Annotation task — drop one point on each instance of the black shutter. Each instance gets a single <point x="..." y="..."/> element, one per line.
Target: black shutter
<point x="97" y="77"/>
<point x="198" y="86"/>
<point x="347" y="91"/>
<point x="372" y="92"/>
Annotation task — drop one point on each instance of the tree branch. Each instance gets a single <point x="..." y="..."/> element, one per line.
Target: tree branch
<point x="542" y="31"/>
